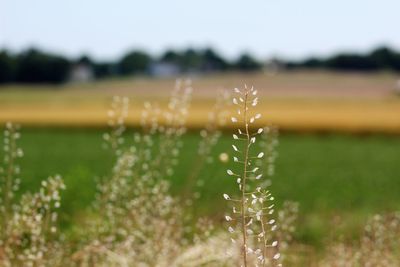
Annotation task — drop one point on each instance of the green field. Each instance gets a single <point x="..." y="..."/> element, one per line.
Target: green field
<point x="340" y="177"/>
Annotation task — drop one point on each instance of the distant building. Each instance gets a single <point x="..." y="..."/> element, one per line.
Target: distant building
<point x="164" y="69"/>
<point x="273" y="66"/>
<point x="81" y="73"/>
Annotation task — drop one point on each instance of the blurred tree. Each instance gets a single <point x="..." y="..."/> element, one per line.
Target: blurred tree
<point x="171" y="56"/>
<point x="313" y="63"/>
<point x="213" y="61"/>
<point x="351" y="62"/>
<point x="386" y="58"/>
<point x="8" y="66"/>
<point x="104" y="69"/>
<point x="191" y="60"/>
<point x="37" y="67"/>
<point x="134" y="62"/>
<point x="247" y="63"/>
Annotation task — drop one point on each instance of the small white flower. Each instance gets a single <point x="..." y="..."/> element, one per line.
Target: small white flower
<point x="260" y="155"/>
<point x="228" y="218"/>
<point x="260" y="130"/>
<point x="226" y="196"/>
<point x="229" y="172"/>
<point x="277" y="256"/>
<point x="274" y="244"/>
<point x="234" y="119"/>
<point x="230" y="229"/>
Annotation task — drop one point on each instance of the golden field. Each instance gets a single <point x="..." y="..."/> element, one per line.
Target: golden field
<point x="296" y="101"/>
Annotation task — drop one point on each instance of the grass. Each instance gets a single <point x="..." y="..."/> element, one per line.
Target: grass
<point x="343" y="177"/>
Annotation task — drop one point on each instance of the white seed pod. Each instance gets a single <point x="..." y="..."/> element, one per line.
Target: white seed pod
<point x="226" y="196"/>
<point x="274" y="244"/>
<point x="238" y="180"/>
<point x="235" y="148"/>
<point x="258" y="176"/>
<point x="235" y="137"/>
<point x="277" y="256"/>
<point x="260" y="130"/>
<point x="235" y="159"/>
<point x="234" y="100"/>
<point x="236" y="90"/>
<point x="231" y="230"/>
<point x="228" y="218"/>
<point x="233" y="119"/>
<point x="252" y="119"/>
<point x="229" y="172"/>
<point x="258" y="115"/>
<point x="260" y="155"/>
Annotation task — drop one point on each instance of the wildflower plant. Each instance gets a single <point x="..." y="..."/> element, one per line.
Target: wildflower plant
<point x="29" y="232"/>
<point x="378" y="245"/>
<point x="252" y="221"/>
<point x="9" y="173"/>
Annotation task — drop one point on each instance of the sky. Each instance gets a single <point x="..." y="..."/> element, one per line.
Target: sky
<point x="266" y="28"/>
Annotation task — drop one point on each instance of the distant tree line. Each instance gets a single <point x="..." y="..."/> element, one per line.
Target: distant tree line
<point x="35" y="66"/>
<point x="382" y="58"/>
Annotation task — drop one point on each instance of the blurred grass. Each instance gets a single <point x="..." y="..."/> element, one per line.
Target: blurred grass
<point x="296" y="101"/>
<point x="339" y="180"/>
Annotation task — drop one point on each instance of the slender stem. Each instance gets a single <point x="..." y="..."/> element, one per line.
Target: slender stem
<point x="264" y="239"/>
<point x="246" y="159"/>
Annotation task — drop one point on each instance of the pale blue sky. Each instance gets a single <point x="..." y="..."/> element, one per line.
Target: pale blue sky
<point x="288" y="28"/>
